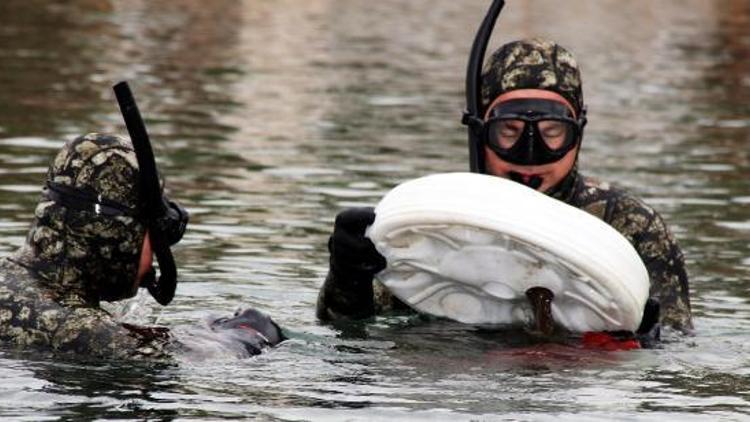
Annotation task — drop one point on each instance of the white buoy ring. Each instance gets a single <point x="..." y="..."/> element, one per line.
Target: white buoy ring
<point x="467" y="247"/>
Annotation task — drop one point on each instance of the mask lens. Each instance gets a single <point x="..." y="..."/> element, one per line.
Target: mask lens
<point x="505" y="133"/>
<point x="556" y="134"/>
<point x="531" y="131"/>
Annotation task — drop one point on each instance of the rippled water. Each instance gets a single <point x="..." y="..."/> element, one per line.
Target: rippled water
<point x="271" y="116"/>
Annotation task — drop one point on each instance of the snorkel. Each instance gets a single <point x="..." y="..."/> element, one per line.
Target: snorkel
<point x="165" y="220"/>
<point x="472" y="116"/>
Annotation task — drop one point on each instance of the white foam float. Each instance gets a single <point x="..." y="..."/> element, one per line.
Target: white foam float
<point x="467" y="247"/>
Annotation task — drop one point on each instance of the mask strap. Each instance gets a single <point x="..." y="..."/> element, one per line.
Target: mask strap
<point x="82" y="200"/>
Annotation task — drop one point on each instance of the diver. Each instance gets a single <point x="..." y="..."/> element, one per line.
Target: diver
<point x="526" y="117"/>
<point x="101" y="218"/>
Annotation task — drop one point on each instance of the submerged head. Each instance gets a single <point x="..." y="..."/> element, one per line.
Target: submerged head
<point x="534" y="113"/>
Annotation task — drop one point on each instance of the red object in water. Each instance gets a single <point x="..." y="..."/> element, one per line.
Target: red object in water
<point x="605" y="341"/>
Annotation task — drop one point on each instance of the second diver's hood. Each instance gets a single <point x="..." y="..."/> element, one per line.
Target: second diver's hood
<point x="86" y="238"/>
<point x="102" y="195"/>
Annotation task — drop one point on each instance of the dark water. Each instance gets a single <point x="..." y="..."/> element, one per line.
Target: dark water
<point x="271" y="116"/>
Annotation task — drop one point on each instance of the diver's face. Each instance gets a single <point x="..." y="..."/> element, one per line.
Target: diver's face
<point x="550" y="174"/>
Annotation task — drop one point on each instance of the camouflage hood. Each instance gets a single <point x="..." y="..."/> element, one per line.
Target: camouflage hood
<point x="86" y="255"/>
<point x="532" y="64"/>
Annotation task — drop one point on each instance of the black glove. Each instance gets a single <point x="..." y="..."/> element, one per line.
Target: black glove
<point x="649" y="332"/>
<point x="354" y="258"/>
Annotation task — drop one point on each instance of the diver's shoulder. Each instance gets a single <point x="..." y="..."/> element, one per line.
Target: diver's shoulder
<point x="594" y="184"/>
<point x="621" y="198"/>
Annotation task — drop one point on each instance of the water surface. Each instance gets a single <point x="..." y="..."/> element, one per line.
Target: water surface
<point x="269" y="117"/>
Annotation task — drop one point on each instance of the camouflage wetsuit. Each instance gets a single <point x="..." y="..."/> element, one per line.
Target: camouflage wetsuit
<point x="646" y="231"/>
<point x="542" y="64"/>
<point x="51" y="288"/>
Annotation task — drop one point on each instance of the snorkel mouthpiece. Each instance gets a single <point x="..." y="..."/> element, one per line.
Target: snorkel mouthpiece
<point x="531" y="181"/>
<point x="166" y="221"/>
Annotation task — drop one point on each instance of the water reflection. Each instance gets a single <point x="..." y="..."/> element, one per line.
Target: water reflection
<point x="84" y="390"/>
<point x="270" y="116"/>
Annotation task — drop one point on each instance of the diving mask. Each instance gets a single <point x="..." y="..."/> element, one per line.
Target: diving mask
<point x="532" y="131"/>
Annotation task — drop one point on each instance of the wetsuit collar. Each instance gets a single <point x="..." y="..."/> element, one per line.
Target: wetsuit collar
<point x="565" y="190"/>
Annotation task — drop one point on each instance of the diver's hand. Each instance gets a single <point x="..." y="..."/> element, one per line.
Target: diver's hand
<point x="347" y="292"/>
<point x="354" y="258"/>
<point x="649" y="332"/>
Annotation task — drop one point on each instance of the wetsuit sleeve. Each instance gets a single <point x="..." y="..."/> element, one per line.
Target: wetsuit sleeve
<point x="666" y="267"/>
<point x="649" y="235"/>
<point x="87" y="331"/>
<point x="337" y="303"/>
